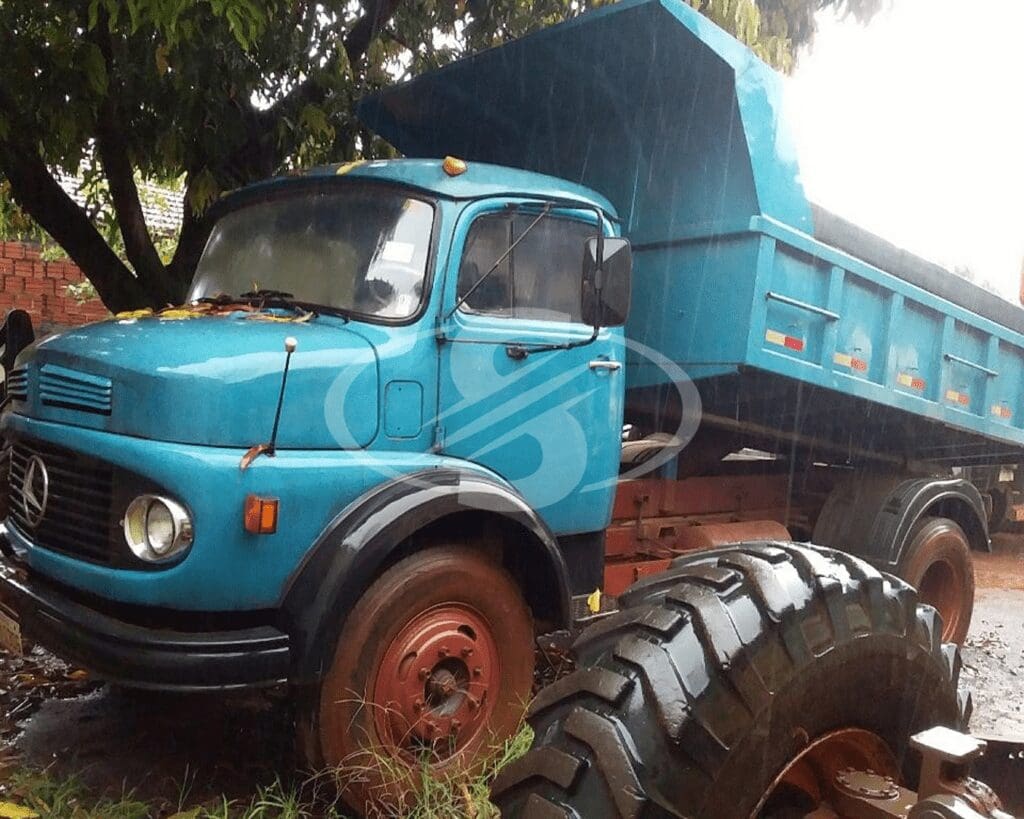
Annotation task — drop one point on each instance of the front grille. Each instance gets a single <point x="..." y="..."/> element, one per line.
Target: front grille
<point x="61" y="387"/>
<point x="17" y="384"/>
<point x="77" y="518"/>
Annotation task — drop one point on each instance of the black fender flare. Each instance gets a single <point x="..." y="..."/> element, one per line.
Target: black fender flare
<point x="358" y="543"/>
<point x="871" y="516"/>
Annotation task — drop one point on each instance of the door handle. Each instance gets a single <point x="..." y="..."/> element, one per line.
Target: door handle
<point x="605" y="364"/>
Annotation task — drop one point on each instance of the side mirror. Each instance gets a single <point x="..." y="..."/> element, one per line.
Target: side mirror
<point x="607" y="282"/>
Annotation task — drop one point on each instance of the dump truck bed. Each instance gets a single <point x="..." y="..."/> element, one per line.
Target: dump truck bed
<point x="785" y="334"/>
<point x="791" y="320"/>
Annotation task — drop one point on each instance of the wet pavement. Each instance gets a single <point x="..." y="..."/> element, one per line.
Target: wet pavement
<point x="162" y="746"/>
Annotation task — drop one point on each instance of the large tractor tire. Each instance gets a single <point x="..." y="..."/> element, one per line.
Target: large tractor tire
<point x="433" y="670"/>
<point x="730" y="684"/>
<point x="937" y="562"/>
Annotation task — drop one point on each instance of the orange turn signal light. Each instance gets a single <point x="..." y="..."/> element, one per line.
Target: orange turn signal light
<point x="453" y="166"/>
<point x="260" y="515"/>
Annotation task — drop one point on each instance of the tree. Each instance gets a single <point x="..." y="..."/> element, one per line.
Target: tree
<point x="220" y="93"/>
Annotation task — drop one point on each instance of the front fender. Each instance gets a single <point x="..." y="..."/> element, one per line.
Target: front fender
<point x="356" y="546"/>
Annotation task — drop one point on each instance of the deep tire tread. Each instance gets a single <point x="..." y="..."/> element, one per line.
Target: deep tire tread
<point x="671" y="685"/>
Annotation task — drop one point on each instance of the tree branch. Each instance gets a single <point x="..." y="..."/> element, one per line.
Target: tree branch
<point x="310" y="91"/>
<point x="367" y="27"/>
<point x="195" y="230"/>
<point x="112" y="148"/>
<point x="124" y="194"/>
<point x="41" y="197"/>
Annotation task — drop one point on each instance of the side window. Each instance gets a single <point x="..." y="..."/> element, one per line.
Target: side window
<point x="539" y="279"/>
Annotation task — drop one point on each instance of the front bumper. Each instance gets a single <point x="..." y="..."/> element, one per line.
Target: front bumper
<point x="140" y="656"/>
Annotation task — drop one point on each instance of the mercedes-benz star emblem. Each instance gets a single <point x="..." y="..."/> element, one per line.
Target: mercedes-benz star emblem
<point x="35" y="491"/>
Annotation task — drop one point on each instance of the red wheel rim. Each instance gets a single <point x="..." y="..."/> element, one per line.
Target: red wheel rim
<point x="437" y="683"/>
<point x="942" y="587"/>
<point x="812" y="778"/>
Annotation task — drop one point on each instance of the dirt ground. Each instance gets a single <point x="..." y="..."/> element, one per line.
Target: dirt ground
<point x="161" y="745"/>
<point x="994" y="653"/>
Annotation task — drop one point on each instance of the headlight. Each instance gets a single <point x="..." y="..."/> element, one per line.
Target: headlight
<point x="156" y="528"/>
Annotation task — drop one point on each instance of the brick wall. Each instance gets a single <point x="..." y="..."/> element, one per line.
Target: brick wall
<point x="40" y="288"/>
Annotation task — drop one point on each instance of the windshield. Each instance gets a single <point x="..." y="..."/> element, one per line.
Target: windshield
<point x="361" y="250"/>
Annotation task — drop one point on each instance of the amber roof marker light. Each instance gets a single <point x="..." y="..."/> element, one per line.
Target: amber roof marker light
<point x="453" y="166"/>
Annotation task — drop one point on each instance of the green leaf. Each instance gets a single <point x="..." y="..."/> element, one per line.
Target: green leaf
<point x="94" y="13"/>
<point x="95" y="68"/>
<point x="202" y="191"/>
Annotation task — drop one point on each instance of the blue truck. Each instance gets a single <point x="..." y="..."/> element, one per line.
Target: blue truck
<point x="417" y="411"/>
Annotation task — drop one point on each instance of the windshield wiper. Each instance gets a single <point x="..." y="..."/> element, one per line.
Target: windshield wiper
<point x="279" y="298"/>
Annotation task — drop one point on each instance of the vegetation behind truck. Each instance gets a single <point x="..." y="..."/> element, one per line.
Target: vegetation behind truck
<point x="383" y="510"/>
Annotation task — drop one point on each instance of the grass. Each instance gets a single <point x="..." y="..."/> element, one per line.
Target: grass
<point x="50" y="797"/>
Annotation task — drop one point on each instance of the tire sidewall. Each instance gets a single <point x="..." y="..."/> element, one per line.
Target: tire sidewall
<point x="941" y="539"/>
<point x="870" y="683"/>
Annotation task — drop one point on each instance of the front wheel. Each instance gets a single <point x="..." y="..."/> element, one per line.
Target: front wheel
<point x="719" y="689"/>
<point x="432" y="671"/>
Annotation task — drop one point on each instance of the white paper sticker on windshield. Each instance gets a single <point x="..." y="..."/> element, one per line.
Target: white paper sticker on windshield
<point x="400" y="252"/>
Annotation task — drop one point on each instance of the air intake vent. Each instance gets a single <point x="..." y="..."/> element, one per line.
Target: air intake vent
<point x="61" y="387"/>
<point x="17" y="384"/>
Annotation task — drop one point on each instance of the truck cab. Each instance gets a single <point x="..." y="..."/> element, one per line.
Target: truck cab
<point x="191" y="506"/>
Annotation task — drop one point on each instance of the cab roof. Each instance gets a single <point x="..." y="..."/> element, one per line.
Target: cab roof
<point x="480" y="180"/>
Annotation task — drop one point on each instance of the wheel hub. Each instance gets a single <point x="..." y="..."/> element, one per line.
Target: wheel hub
<point x="850" y="760"/>
<point x="437" y="682"/>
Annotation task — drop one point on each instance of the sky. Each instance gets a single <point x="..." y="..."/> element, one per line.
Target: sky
<point x="913" y="127"/>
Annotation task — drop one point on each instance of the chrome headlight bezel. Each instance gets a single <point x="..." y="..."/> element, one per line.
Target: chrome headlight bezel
<point x="139" y="534"/>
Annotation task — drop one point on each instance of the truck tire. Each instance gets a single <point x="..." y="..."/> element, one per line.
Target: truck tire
<point x="937" y="562"/>
<point x="720" y="674"/>
<point x="443" y="638"/>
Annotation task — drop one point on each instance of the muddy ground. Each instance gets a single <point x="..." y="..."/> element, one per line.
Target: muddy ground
<point x="994" y="653"/>
<point x="164" y="747"/>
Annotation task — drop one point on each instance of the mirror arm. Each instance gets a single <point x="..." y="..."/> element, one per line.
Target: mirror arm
<point x="517" y="352"/>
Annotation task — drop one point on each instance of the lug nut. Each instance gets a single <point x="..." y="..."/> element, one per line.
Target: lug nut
<point x="424" y="673"/>
<point x="417" y="706"/>
<point x="443" y="652"/>
<point x="466" y="652"/>
<point x="477" y="671"/>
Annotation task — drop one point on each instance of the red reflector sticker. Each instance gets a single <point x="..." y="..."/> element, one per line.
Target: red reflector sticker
<point x="844" y="360"/>
<point x="910" y="381"/>
<point x="789" y="342"/>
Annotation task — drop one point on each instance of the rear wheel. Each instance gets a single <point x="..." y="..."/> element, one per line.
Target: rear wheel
<point x="432" y="670"/>
<point x="703" y="696"/>
<point x="937" y="562"/>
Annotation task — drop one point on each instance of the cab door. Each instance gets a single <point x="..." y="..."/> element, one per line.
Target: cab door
<point x="524" y="389"/>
